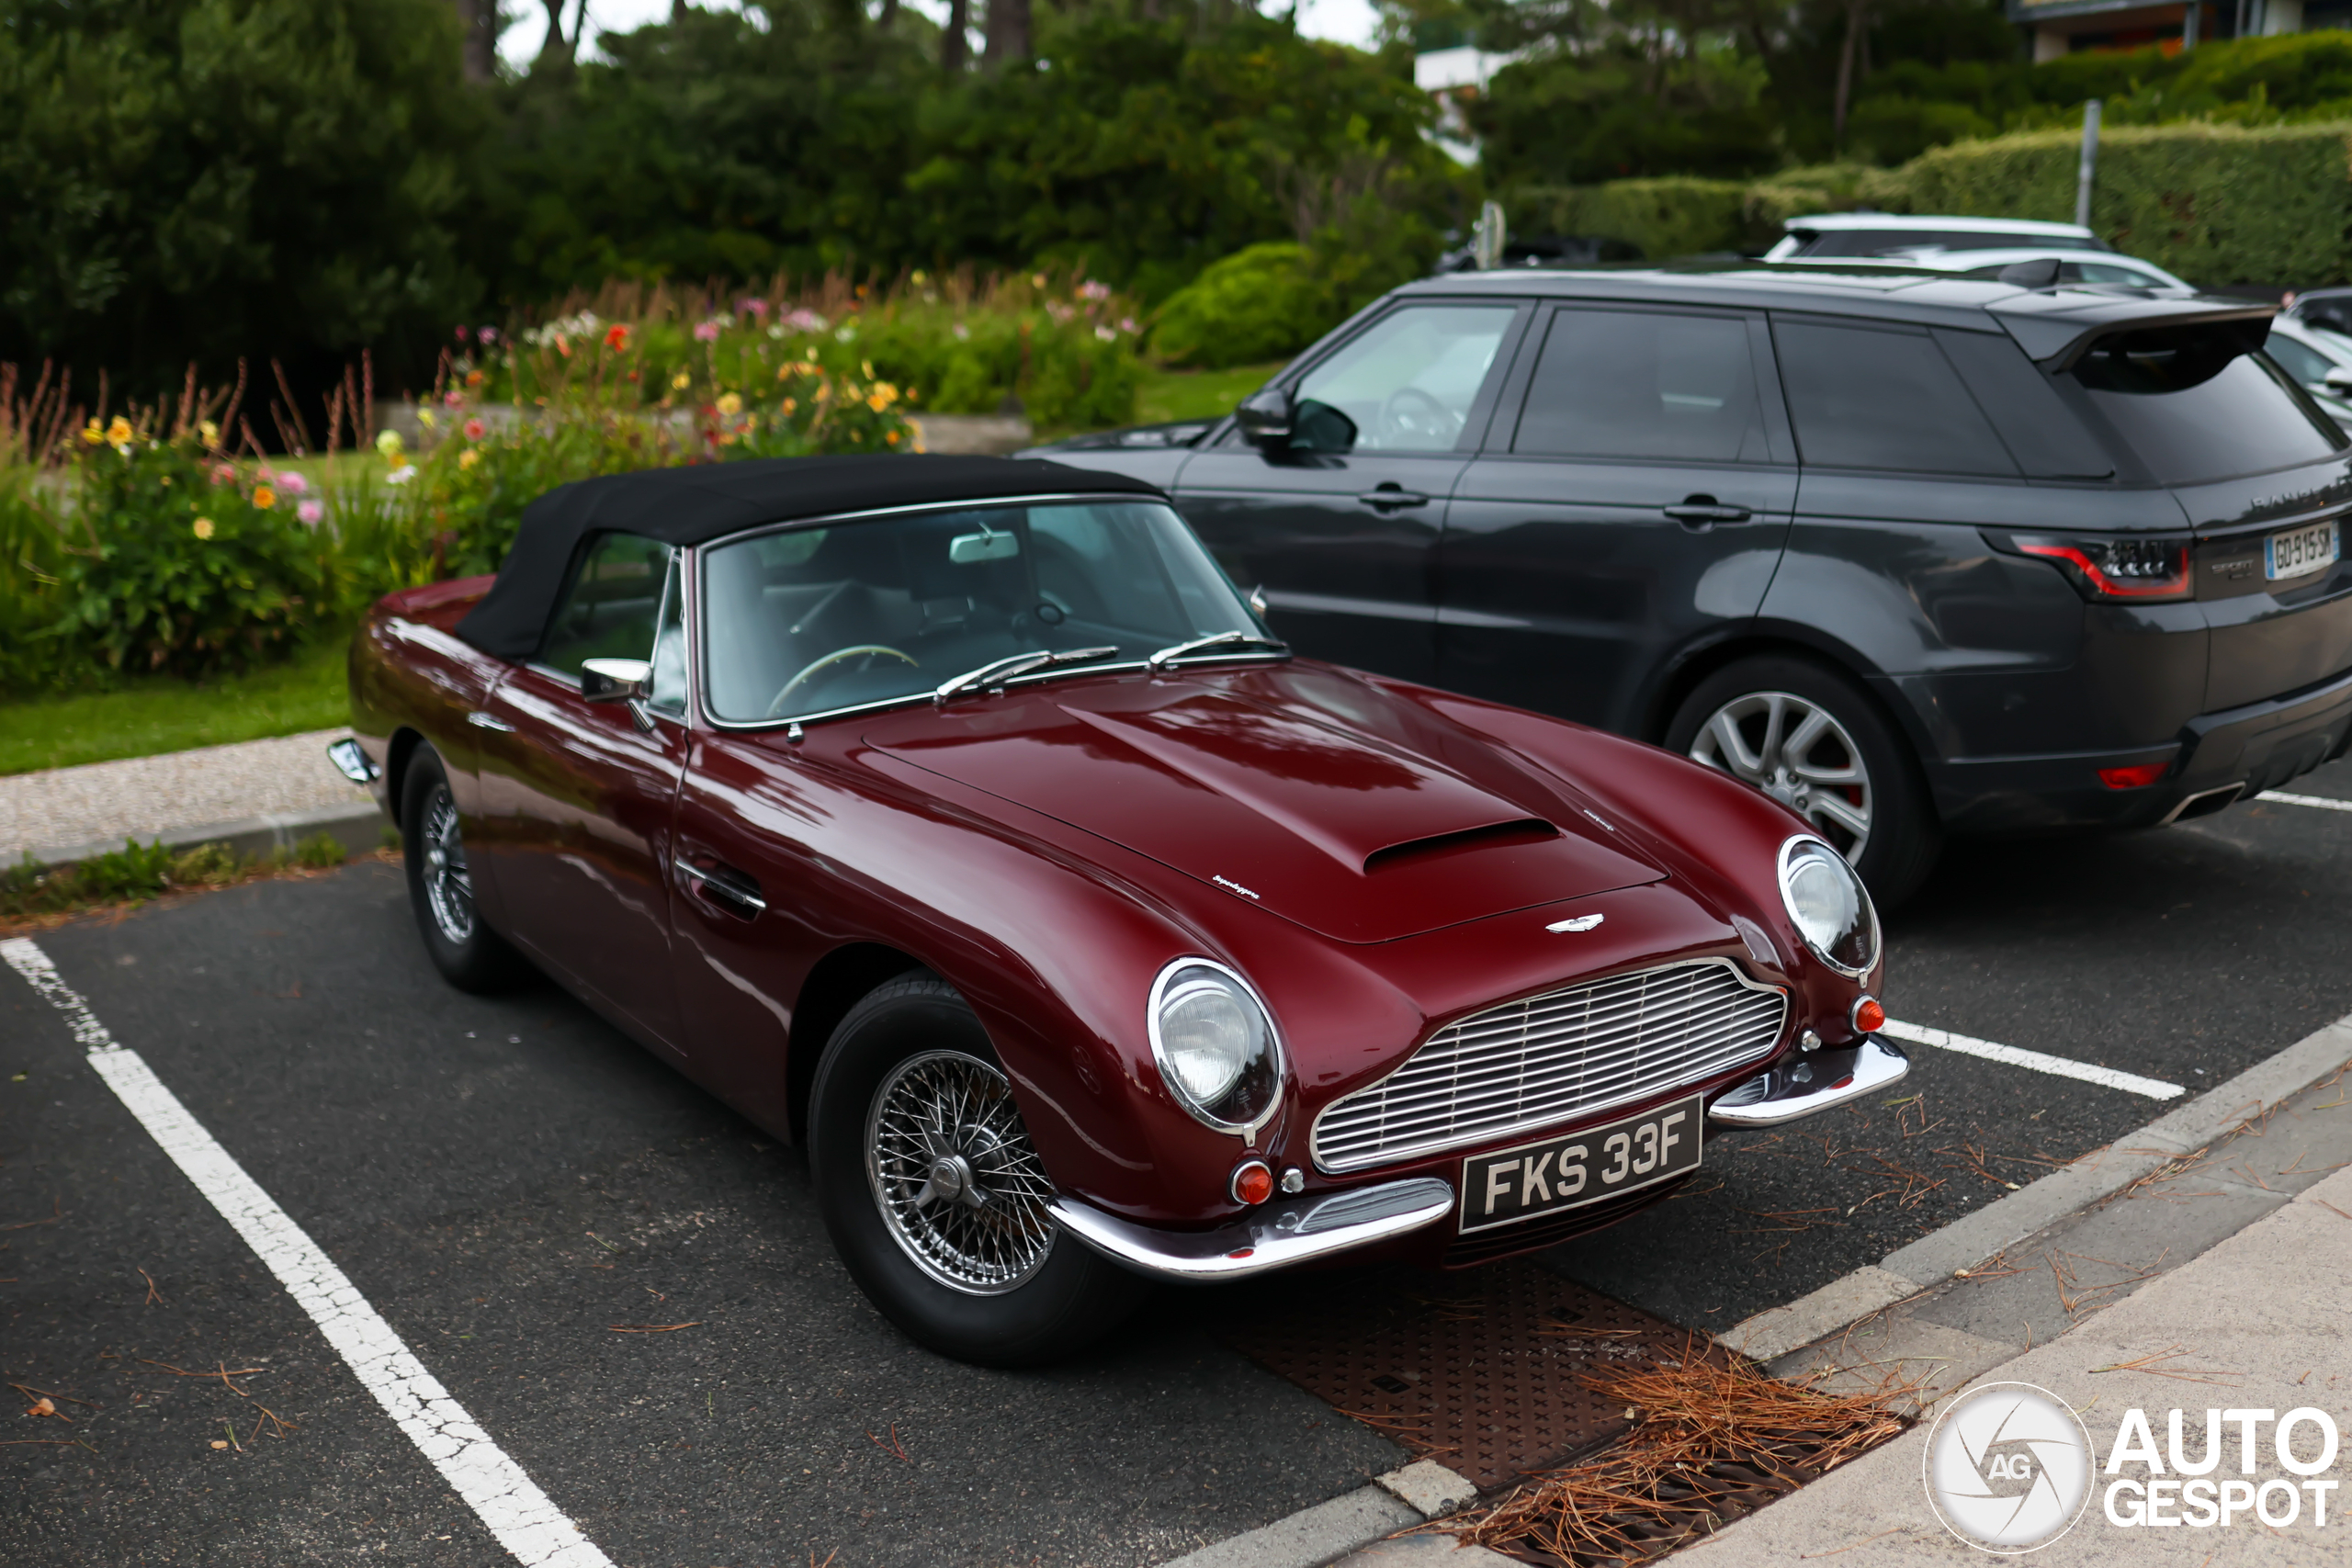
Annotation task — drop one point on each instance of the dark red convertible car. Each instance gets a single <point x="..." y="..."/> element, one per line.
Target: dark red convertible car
<point x="957" y="818"/>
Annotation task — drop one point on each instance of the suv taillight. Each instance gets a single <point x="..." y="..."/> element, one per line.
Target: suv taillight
<point x="2110" y="568"/>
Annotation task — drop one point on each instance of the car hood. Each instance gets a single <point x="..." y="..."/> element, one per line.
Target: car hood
<point x="1344" y="830"/>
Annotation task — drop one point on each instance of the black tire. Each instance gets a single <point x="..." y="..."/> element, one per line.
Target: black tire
<point x="1050" y="1296"/>
<point x="470" y="955"/>
<point x="1901" y="838"/>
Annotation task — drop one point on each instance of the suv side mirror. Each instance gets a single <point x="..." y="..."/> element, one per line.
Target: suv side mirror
<point x="2339" y="379"/>
<point x="1265" y="417"/>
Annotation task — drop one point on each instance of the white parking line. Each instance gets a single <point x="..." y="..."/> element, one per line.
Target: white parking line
<point x="2060" y="1067"/>
<point x="505" y="1499"/>
<point x="2319" y="800"/>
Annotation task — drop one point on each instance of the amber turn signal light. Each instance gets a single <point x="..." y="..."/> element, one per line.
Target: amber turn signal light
<point x="2140" y="777"/>
<point x="1868" y="1016"/>
<point x="1252" y="1182"/>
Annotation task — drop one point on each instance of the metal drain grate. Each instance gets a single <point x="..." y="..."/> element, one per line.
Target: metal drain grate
<point x="1477" y="1370"/>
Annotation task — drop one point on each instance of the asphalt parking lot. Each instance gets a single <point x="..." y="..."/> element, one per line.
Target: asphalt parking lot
<point x="534" y="1204"/>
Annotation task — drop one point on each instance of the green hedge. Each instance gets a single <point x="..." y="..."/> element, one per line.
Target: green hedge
<point x="2217" y="204"/>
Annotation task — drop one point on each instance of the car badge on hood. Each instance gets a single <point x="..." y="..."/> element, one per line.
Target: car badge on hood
<point x="1581" y="923"/>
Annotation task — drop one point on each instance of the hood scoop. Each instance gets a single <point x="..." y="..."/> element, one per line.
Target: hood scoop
<point x="1337" y="830"/>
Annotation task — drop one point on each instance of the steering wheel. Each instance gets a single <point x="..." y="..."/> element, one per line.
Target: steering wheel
<point x="1398" y="417"/>
<point x="777" y="708"/>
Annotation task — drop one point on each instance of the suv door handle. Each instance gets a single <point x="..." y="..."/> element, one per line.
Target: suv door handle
<point x="730" y="890"/>
<point x="1388" y="495"/>
<point x="1697" y="511"/>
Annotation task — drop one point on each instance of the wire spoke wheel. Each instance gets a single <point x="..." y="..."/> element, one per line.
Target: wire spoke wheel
<point x="448" y="884"/>
<point x="959" y="1188"/>
<point x="1796" y="752"/>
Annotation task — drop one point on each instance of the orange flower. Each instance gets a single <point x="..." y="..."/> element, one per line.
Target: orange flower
<point x="264" y="497"/>
<point x="616" y="338"/>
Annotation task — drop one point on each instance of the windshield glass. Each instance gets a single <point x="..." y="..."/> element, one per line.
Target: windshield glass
<point x="2196" y="405"/>
<point x="807" y="620"/>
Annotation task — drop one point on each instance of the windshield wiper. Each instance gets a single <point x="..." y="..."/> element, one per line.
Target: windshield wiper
<point x="1168" y="655"/>
<point x="1005" y="669"/>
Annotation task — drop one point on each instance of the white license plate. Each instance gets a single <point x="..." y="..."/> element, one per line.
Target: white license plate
<point x="1582" y="1167"/>
<point x="2299" y="553"/>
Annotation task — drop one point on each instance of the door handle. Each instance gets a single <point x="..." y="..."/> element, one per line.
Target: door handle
<point x="1699" y="511"/>
<point x="1388" y="496"/>
<point x="483" y="721"/>
<point x="730" y="890"/>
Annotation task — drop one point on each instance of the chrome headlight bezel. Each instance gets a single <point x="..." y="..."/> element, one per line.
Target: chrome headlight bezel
<point x="1805" y="847"/>
<point x="1255" y="1094"/>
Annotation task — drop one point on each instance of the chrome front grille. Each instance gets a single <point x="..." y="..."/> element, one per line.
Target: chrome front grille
<point x="1554" y="1058"/>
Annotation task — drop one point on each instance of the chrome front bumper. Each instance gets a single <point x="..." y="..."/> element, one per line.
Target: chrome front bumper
<point x="1273" y="1237"/>
<point x="1805" y="1085"/>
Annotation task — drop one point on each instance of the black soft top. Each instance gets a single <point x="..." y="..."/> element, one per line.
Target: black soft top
<point x="692" y="505"/>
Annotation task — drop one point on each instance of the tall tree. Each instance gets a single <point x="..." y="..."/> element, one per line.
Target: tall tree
<point x="1007" y="35"/>
<point x="556" y="48"/>
<point x="955" y="38"/>
<point x="477" y="40"/>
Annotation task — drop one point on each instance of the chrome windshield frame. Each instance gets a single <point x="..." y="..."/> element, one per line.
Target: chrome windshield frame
<point x="697" y="624"/>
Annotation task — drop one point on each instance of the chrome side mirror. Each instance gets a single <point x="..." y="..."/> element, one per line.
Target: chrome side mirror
<point x="614" y="679"/>
<point x="1265" y="417"/>
<point x="2339" y="379"/>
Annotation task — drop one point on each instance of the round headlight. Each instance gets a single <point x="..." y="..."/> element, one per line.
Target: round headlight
<point x="1830" y="905"/>
<point x="1214" y="1045"/>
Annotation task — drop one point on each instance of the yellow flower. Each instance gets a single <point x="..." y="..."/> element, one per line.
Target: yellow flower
<point x="790" y="404"/>
<point x="784" y="372"/>
<point x="892" y="439"/>
<point x="877" y="402"/>
<point x="867" y="367"/>
<point x="210" y="432"/>
<point x="119" y="431"/>
<point x="204" y="527"/>
<point x="92" y="435"/>
<point x="389" y="443"/>
<point x="264" y="497"/>
<point x="424" y="417"/>
<point x="731" y="405"/>
<point x="680" y="381"/>
<point x="469" y="458"/>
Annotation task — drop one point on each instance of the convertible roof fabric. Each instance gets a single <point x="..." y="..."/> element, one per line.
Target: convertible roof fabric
<point x="690" y="506"/>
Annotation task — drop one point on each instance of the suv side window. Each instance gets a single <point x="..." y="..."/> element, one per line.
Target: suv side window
<point x="1405" y="384"/>
<point x="613" y="606"/>
<point x="1629" y="385"/>
<point x="1882" y="397"/>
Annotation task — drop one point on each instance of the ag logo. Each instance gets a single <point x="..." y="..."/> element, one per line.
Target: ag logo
<point x="2007" y="1467"/>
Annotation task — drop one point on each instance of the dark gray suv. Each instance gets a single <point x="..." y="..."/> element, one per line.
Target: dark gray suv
<point x="1916" y="554"/>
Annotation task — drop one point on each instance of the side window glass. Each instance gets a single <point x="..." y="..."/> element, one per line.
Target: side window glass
<point x="1640" y="384"/>
<point x="2305" y="363"/>
<point x="1867" y="398"/>
<point x="1405" y="384"/>
<point x="667" y="691"/>
<point x="613" y="606"/>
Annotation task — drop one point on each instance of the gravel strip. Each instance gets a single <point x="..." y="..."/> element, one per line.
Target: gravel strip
<point x="143" y="797"/>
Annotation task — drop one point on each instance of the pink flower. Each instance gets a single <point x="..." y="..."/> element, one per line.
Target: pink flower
<point x="265" y="476"/>
<point x="311" y="512"/>
<point x="461" y="334"/>
<point x="293" y="483"/>
<point x="1126" y="323"/>
<point x="804" y="320"/>
<point x="757" y="307"/>
<point x="1107" y="335"/>
<point x="453" y="399"/>
<point x="706" y="332"/>
<point x="1091" y="290"/>
<point x="474" y="429"/>
<point x="487" y="334"/>
<point x="223" y="473"/>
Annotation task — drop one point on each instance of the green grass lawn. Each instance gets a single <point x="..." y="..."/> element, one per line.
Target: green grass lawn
<point x="1197" y="394"/>
<point x="155" y="713"/>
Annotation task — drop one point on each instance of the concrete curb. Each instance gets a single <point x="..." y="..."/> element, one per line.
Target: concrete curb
<point x="1970" y="1240"/>
<point x="1312" y="1537"/>
<point x="358" y="825"/>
